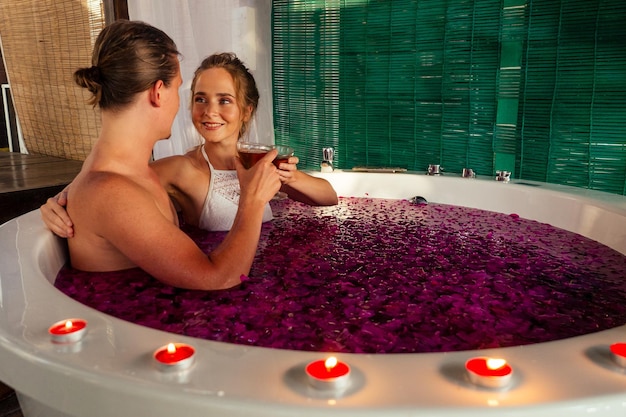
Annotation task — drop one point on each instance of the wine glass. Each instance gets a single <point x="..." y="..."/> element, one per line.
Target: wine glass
<point x="251" y="152"/>
<point x="284" y="152"/>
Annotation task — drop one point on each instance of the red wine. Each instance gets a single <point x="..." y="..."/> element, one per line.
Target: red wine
<point x="249" y="157"/>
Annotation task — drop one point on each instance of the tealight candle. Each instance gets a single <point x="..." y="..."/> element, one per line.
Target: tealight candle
<point x="618" y="350"/>
<point x="174" y="356"/>
<point x="328" y="374"/>
<point x="489" y="372"/>
<point x="68" y="331"/>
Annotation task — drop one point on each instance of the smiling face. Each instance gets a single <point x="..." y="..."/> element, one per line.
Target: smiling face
<point x="217" y="113"/>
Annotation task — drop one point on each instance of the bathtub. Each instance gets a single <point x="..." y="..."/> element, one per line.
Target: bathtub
<point x="110" y="372"/>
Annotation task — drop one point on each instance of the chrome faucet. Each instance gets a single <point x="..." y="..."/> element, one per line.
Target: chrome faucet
<point x="468" y="173"/>
<point x="327" y="162"/>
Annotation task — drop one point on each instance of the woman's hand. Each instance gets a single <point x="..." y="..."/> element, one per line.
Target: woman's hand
<point x="287" y="170"/>
<point x="55" y="216"/>
<point x="303" y="187"/>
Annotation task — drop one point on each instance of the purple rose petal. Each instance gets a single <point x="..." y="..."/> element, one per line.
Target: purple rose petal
<point x="384" y="276"/>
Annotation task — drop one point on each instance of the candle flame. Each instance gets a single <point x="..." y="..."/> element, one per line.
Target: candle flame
<point x="69" y="324"/>
<point x="330" y="363"/>
<point x="493" y="363"/>
<point x="171" y="348"/>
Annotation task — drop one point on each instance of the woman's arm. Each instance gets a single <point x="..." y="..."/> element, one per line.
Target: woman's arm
<point x="305" y="188"/>
<point x="55" y="216"/>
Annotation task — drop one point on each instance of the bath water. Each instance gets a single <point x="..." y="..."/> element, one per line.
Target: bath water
<point x="384" y="276"/>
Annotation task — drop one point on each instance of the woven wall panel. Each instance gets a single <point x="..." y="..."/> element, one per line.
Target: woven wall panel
<point x="43" y="43"/>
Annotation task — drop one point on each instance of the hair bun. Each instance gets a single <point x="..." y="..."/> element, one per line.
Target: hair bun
<point x="94" y="74"/>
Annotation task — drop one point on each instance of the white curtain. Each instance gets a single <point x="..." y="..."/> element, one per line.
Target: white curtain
<point x="201" y="28"/>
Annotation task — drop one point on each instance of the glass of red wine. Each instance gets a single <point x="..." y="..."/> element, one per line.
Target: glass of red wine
<point x="284" y="152"/>
<point x="251" y="152"/>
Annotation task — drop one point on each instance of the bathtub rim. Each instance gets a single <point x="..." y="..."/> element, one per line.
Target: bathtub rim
<point x="30" y="351"/>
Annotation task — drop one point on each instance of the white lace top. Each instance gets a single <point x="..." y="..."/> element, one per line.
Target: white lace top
<point x="222" y="200"/>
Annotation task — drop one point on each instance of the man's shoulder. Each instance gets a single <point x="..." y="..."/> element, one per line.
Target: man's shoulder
<point x="104" y="180"/>
<point x="114" y="188"/>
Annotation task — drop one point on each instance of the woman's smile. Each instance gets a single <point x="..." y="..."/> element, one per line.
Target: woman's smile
<point x="212" y="125"/>
<point x="215" y="98"/>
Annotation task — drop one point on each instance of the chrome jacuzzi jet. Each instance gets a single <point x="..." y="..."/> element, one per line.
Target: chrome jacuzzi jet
<point x="434" y="170"/>
<point x="327" y="163"/>
<point x="503" y="176"/>
<point x="418" y="200"/>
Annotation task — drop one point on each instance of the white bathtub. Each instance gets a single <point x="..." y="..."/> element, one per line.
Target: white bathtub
<point x="110" y="372"/>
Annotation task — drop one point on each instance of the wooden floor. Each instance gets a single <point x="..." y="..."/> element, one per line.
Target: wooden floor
<point x="26" y="181"/>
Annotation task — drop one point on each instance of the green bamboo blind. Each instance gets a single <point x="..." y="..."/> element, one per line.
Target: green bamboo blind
<point x="536" y="87"/>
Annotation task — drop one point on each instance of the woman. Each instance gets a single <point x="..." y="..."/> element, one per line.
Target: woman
<point x="224" y="100"/>
<point x="122" y="215"/>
